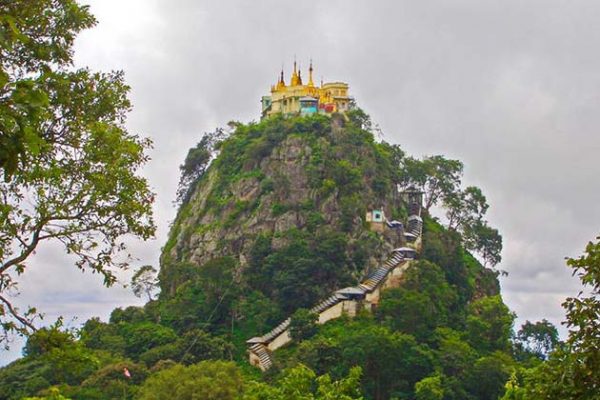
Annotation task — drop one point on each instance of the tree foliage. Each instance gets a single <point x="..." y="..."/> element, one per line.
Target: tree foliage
<point x="465" y="207"/>
<point x="489" y="325"/>
<point x="35" y="46"/>
<point x="573" y="371"/>
<point x="196" y="163"/>
<point x="440" y="180"/>
<point x="209" y="380"/>
<point x="392" y="362"/>
<point x="436" y="176"/>
<point x="423" y="302"/>
<point x="583" y="319"/>
<point x="487" y="377"/>
<point x="429" y="388"/>
<point x="303" y="324"/>
<point x="301" y="383"/>
<point x="70" y="167"/>
<point x="485" y="240"/>
<point x="205" y="298"/>
<point x="145" y="282"/>
<point x="538" y="338"/>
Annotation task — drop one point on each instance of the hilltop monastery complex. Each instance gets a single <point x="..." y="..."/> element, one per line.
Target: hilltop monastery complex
<point x="300" y="98"/>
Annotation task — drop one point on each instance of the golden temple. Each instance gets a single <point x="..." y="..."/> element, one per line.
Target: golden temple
<point x="300" y="98"/>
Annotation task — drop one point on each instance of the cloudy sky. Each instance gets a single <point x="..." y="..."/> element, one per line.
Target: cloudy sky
<point x="511" y="88"/>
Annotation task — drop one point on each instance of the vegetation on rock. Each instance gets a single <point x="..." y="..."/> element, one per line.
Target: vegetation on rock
<point x="271" y="221"/>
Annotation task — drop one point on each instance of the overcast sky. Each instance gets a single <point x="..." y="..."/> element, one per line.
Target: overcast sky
<point x="511" y="88"/>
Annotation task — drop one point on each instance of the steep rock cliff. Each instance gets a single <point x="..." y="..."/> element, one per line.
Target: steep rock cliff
<point x="299" y="185"/>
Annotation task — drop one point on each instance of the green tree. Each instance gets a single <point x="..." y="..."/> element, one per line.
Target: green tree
<point x="22" y="378"/>
<point x="429" y="388"/>
<point x="35" y="45"/>
<point x="489" y="325"/>
<point x="194" y="346"/>
<point x="131" y="314"/>
<point x="392" y="362"/>
<point x="197" y="162"/>
<point x="538" y="339"/>
<point x="144" y="281"/>
<point x="465" y="210"/>
<point x="65" y="360"/>
<point x="301" y="383"/>
<point x="206" y="298"/>
<point x="583" y="320"/>
<point x="303" y="271"/>
<point x="207" y="380"/>
<point x="258" y="312"/>
<point x="143" y="336"/>
<point x="465" y="207"/>
<point x="65" y="149"/>
<point x="443" y="247"/>
<point x="111" y="382"/>
<point x="487" y="377"/>
<point x="52" y="394"/>
<point x="322" y="354"/>
<point x="512" y="389"/>
<point x="455" y="356"/>
<point x="436" y="176"/>
<point x="303" y="324"/>
<point x="424" y="301"/>
<point x="46" y="339"/>
<point x="99" y="335"/>
<point x="485" y="240"/>
<point x="573" y="372"/>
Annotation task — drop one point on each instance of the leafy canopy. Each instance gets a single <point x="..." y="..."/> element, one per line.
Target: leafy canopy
<point x="70" y="167"/>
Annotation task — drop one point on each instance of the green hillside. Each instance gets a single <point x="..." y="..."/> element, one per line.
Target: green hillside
<point x="272" y="220"/>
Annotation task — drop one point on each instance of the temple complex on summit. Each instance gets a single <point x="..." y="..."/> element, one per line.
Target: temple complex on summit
<point x="300" y="98"/>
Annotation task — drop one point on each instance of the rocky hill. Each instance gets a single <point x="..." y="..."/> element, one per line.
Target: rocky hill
<point x="274" y="242"/>
<point x="286" y="186"/>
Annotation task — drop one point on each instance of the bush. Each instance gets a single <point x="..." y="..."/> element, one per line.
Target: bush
<point x="208" y="380"/>
<point x="112" y="382"/>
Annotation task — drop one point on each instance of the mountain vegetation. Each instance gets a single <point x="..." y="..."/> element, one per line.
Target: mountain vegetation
<point x="271" y="220"/>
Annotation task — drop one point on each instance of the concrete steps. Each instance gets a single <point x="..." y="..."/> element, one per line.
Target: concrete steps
<point x="263" y="354"/>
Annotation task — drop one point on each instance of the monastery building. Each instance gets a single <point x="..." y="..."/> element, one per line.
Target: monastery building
<point x="300" y="98"/>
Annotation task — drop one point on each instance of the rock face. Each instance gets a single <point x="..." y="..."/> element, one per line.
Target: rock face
<point x="284" y="178"/>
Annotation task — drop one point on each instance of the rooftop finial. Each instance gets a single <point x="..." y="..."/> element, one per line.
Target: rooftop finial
<point x="280" y="81"/>
<point x="310" y="74"/>
<point x="295" y="80"/>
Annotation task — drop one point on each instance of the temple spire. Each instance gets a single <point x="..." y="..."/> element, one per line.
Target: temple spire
<point x="310" y="74"/>
<point x="280" y="81"/>
<point x="294" y="80"/>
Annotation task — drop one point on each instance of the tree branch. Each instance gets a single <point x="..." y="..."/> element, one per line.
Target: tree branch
<point x="16" y="315"/>
<point x="28" y="250"/>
